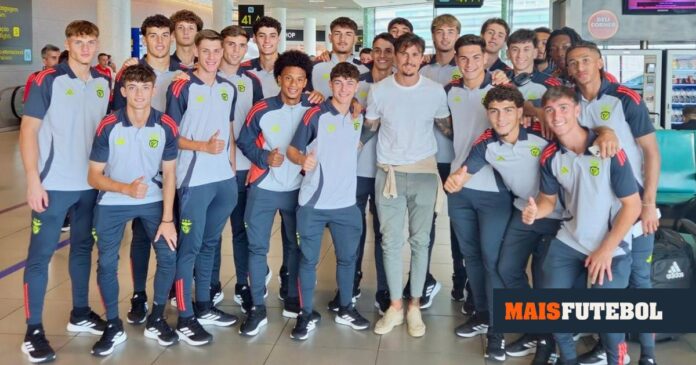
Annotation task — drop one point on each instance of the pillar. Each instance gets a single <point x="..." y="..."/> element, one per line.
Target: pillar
<point x="280" y="14"/>
<point x="222" y="13"/>
<point x="310" y="36"/>
<point x="327" y="37"/>
<point x="114" y="22"/>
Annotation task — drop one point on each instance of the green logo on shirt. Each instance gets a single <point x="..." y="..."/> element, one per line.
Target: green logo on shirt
<point x="594" y="167"/>
<point x="186" y="226"/>
<point x="69" y="92"/>
<point x="120" y="141"/>
<point x="532" y="96"/>
<point x="224" y="95"/>
<point x="500" y="158"/>
<point x="456" y="75"/>
<point x="605" y="113"/>
<point x="35" y="226"/>
<point x="564" y="170"/>
<point x="457" y="99"/>
<point x="535" y="151"/>
<point x="325" y="76"/>
<point x="356" y="123"/>
<point x="100" y="92"/>
<point x="331" y="128"/>
<point x="154" y="140"/>
<point x="275" y="128"/>
<point x="241" y="87"/>
<point x="363" y="94"/>
<point x="200" y="99"/>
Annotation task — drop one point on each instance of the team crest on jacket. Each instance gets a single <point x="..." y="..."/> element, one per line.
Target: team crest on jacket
<point x="535" y="151"/>
<point x="100" y="92"/>
<point x="224" y="95"/>
<point x="186" y="226"/>
<point x="594" y="167"/>
<point x="605" y="113"/>
<point x="154" y="141"/>
<point x="356" y="124"/>
<point x="241" y="87"/>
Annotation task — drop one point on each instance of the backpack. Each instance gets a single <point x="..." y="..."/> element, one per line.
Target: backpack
<point x="672" y="261"/>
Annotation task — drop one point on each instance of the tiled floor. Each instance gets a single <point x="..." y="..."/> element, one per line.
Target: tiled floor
<point x="329" y="344"/>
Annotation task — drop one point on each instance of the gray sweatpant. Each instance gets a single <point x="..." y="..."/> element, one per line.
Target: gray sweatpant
<point x="416" y="195"/>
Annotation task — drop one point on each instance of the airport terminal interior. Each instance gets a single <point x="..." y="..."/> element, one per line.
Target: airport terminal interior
<point x="647" y="47"/>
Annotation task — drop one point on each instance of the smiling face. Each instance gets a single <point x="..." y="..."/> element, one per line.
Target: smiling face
<point x="138" y="94"/>
<point x="562" y="115"/>
<point x="234" y="49"/>
<point x="209" y="53"/>
<point x="82" y="48"/>
<point x="522" y="56"/>
<point x="344" y="89"/>
<point x="342" y="40"/>
<point x="471" y="61"/>
<point x="267" y="39"/>
<point x="444" y="37"/>
<point x="584" y="65"/>
<point x="382" y="54"/>
<point x="408" y="60"/>
<point x="494" y="36"/>
<point x="158" y="41"/>
<point x="504" y="116"/>
<point x="292" y="81"/>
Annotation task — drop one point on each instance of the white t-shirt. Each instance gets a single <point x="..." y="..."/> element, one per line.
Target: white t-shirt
<point x="406" y="116"/>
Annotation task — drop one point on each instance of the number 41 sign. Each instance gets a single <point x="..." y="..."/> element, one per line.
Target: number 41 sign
<point x="249" y="14"/>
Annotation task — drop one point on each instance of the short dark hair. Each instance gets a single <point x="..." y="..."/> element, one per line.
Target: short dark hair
<point x="207" y="34"/>
<point x="102" y="54"/>
<point x="234" y="31"/>
<point x="345" y="69"/>
<point x="407" y="40"/>
<point x="689" y="110"/>
<point x="344" y="22"/>
<point x="402" y="21"/>
<point x="188" y="16"/>
<point x="556" y="92"/>
<point x="384" y="36"/>
<point x="267" y="22"/>
<point x="365" y="51"/>
<point x="63" y="56"/>
<point x="499" y="21"/>
<point x="542" y="30"/>
<point x="522" y="36"/>
<point x="470" y="40"/>
<point x="584" y="44"/>
<point x="567" y="31"/>
<point x="48" y="48"/>
<point x="293" y="59"/>
<point x="156" y="21"/>
<point x="77" y="28"/>
<point x="503" y="93"/>
<point x="138" y="73"/>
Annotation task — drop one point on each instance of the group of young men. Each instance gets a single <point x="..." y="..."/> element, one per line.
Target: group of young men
<point x="186" y="141"/>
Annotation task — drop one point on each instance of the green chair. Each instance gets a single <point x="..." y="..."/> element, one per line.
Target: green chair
<point x="677" y="186"/>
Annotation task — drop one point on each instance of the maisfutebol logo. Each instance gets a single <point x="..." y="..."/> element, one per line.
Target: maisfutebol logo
<point x="554" y="311"/>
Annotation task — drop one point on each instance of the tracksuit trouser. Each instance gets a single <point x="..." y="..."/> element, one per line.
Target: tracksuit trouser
<point x="240" y="242"/>
<point x="345" y="227"/>
<point x="204" y="212"/>
<point x="416" y="194"/>
<point x="521" y="241"/>
<point x="479" y="219"/>
<point x="109" y="224"/>
<point x="562" y="267"/>
<point x="261" y="209"/>
<point x="45" y="233"/>
<point x="366" y="191"/>
<point x="641" y="252"/>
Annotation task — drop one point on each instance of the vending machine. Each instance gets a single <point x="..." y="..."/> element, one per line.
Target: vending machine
<point x="680" y="84"/>
<point x="639" y="70"/>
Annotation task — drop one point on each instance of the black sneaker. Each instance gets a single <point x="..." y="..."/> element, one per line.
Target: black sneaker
<point x="113" y="336"/>
<point x="545" y="351"/>
<point x="303" y="327"/>
<point x="457" y="293"/>
<point x="382" y="301"/>
<point x="216" y="294"/>
<point x="432" y="287"/>
<point x="597" y="356"/>
<point x="137" y="314"/>
<point x="37" y="348"/>
<point x="256" y="318"/>
<point x="158" y="329"/>
<point x="216" y="317"/>
<point x="356" y="286"/>
<point x="191" y="332"/>
<point x="647" y="360"/>
<point x="349" y="316"/>
<point x="291" y="307"/>
<point x="90" y="323"/>
<point x="523" y="346"/>
<point x="245" y="300"/>
<point x="283" y="278"/>
<point x="335" y="303"/>
<point x="476" y="325"/>
<point x="495" y="347"/>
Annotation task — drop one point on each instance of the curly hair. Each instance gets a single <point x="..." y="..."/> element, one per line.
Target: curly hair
<point x="156" y="21"/>
<point x="267" y="22"/>
<point x="187" y="16"/>
<point x="293" y="59"/>
<point x="503" y="93"/>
